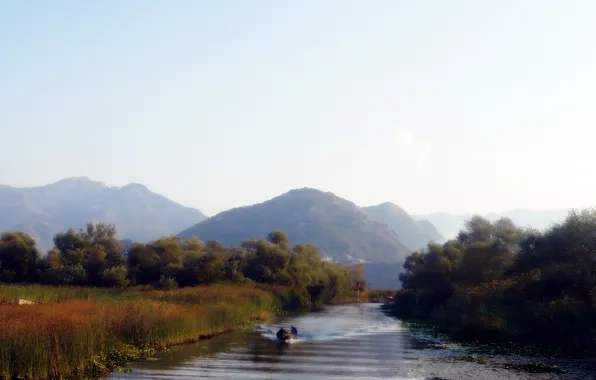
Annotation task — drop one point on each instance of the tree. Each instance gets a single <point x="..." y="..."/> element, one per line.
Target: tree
<point x="169" y="250"/>
<point x="214" y="246"/>
<point x="143" y="264"/>
<point x="18" y="257"/>
<point x="103" y="236"/>
<point x="72" y="275"/>
<point x="207" y="268"/>
<point x="268" y="263"/>
<point x="115" y="276"/>
<point x="68" y="241"/>
<point x="93" y="256"/>
<point x="95" y="248"/>
<point x="95" y="263"/>
<point x="357" y="277"/>
<point x="278" y="237"/>
<point x="193" y="245"/>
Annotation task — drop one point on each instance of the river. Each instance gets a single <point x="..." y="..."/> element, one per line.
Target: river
<point x="341" y="342"/>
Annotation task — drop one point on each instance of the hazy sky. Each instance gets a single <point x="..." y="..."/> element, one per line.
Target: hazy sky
<point x="434" y="105"/>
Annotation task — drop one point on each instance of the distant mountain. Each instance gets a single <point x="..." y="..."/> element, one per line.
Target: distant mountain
<point x="414" y="234"/>
<point x="340" y="229"/>
<point x="450" y="224"/>
<point x="383" y="275"/>
<point x="137" y="213"/>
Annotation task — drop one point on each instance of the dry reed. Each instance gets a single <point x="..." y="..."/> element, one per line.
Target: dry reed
<point x="75" y="338"/>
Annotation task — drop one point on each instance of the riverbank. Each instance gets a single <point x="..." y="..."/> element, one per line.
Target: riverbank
<point x="497" y="282"/>
<point x="97" y="305"/>
<point x="503" y="326"/>
<point x="83" y="332"/>
<point x="345" y="342"/>
<point x="86" y="332"/>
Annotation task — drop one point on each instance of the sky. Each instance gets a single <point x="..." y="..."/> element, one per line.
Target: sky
<point x="459" y="106"/>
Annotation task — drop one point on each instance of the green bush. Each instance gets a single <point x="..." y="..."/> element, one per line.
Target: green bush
<point x="498" y="281"/>
<point x="115" y="276"/>
<point x="168" y="283"/>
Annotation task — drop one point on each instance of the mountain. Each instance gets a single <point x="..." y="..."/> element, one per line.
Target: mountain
<point x="450" y="224"/>
<point x="341" y="230"/>
<point x="137" y="213"/>
<point x="383" y="275"/>
<point x="414" y="234"/>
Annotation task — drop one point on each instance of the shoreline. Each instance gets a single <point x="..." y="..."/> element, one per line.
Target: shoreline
<point x="129" y="354"/>
<point x="201" y="338"/>
<point x="92" y="332"/>
<point x="209" y="336"/>
<point x="86" y="333"/>
<point x="484" y="340"/>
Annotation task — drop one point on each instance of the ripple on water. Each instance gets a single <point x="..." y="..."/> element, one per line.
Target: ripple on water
<point x="326" y="326"/>
<point x="341" y="342"/>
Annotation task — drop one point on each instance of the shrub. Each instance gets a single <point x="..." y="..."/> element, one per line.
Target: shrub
<point x="115" y="276"/>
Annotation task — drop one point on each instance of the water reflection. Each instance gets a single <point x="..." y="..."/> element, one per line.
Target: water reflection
<point x="347" y="342"/>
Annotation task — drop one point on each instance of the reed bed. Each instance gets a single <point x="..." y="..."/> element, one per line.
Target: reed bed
<point x="45" y="294"/>
<point x="82" y="332"/>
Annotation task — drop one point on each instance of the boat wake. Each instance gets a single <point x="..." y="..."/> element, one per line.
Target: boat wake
<point x="330" y="327"/>
<point x="270" y="331"/>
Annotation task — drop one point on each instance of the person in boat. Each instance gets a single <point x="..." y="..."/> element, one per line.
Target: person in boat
<point x="283" y="334"/>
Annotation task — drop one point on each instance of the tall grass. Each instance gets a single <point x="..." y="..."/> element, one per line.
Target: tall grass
<point x="51" y="340"/>
<point x="88" y="328"/>
<point x="45" y="294"/>
<point x="221" y="293"/>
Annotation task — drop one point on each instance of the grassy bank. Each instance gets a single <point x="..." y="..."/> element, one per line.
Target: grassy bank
<point x="85" y="332"/>
<point x="101" y="304"/>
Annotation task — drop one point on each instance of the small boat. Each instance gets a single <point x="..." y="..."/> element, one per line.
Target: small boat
<point x="284" y="335"/>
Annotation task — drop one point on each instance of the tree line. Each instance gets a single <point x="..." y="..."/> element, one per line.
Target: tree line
<point x="496" y="280"/>
<point x="94" y="257"/>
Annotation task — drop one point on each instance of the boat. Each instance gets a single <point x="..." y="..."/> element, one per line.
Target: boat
<point x="284" y="335"/>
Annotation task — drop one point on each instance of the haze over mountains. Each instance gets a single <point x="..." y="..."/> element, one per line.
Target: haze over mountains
<point x="450" y="224"/>
<point x="414" y="234"/>
<point x="381" y="235"/>
<point x="137" y="213"/>
<point x="340" y="229"/>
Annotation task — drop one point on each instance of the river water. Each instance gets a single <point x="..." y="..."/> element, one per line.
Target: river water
<point x="341" y="342"/>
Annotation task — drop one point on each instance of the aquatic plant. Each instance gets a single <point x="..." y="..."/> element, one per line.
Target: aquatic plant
<point x="535" y="368"/>
<point x="471" y="358"/>
<point x="74" y="338"/>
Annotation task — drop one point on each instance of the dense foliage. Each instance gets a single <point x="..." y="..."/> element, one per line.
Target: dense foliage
<point x="121" y="299"/>
<point x="94" y="257"/>
<point x="496" y="280"/>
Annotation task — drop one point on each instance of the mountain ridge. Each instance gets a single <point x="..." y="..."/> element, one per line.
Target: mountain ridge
<point x="415" y="234"/>
<point x="379" y="234"/>
<point x="137" y="212"/>
<point x="339" y="227"/>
